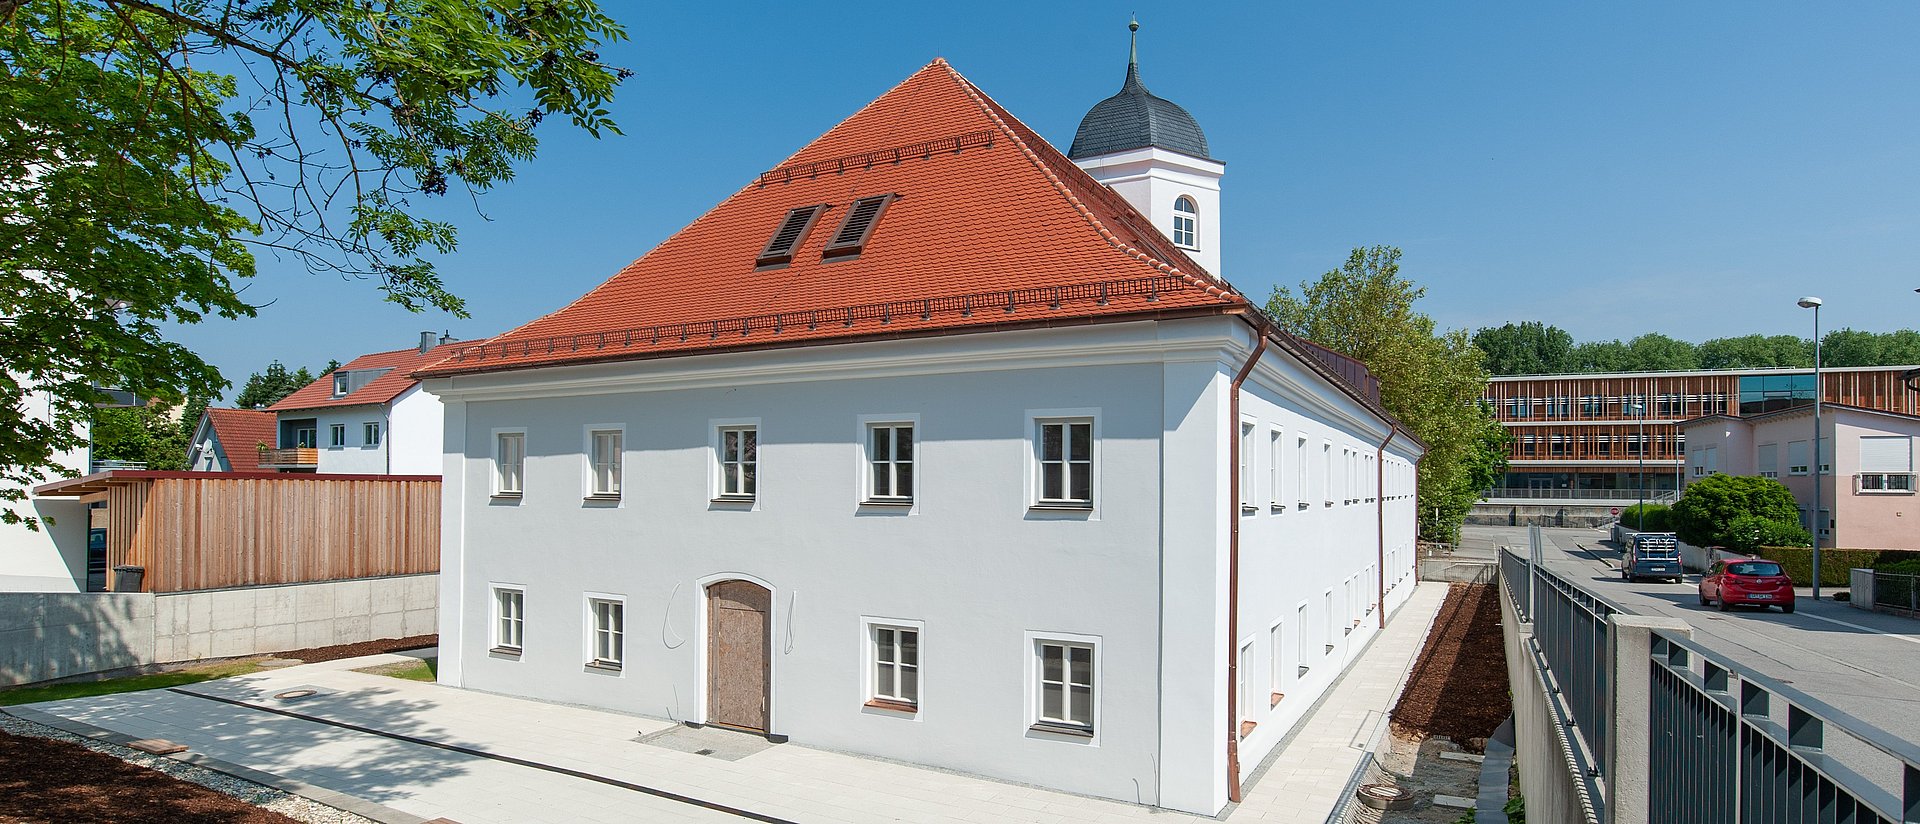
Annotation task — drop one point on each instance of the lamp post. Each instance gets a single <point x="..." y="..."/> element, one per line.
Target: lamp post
<point x="1813" y="303"/>
<point x="1640" y="479"/>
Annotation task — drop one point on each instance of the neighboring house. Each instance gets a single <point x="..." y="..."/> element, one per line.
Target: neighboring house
<point x="230" y="440"/>
<point x="367" y="417"/>
<point x="1573" y="436"/>
<point x="1865" y="459"/>
<point x="926" y="445"/>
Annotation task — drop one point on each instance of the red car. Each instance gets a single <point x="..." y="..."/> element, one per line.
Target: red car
<point x="1749" y="582"/>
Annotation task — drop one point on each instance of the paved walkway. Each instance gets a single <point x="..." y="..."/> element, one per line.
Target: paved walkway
<point x="429" y="751"/>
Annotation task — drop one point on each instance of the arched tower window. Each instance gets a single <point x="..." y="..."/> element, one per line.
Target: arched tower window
<point x="1184" y="215"/>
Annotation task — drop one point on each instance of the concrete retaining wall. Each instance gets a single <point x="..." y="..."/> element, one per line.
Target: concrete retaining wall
<point x="54" y="635"/>
<point x="1457" y="570"/>
<point x="1548" y="514"/>
<point x="1544" y="780"/>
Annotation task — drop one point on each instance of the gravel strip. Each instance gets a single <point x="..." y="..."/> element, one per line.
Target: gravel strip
<point x="284" y="803"/>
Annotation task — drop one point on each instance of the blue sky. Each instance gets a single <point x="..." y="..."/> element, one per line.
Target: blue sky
<point x="1611" y="168"/>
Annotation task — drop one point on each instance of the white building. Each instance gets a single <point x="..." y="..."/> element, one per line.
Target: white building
<point x="52" y="558"/>
<point x="924" y="445"/>
<point x="367" y="417"/>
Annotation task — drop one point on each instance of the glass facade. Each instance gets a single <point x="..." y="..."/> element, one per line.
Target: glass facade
<point x="1766" y="393"/>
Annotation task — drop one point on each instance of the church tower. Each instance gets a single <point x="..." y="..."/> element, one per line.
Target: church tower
<point x="1151" y="152"/>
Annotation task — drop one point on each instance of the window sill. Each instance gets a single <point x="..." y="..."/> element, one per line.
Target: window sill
<point x="601" y="496"/>
<point x="1277" y="509"/>
<point x="1304" y="670"/>
<point x="1063" y="506"/>
<point x="899" y="502"/>
<point x="512" y="495"/>
<point x="1276" y="700"/>
<point x="1248" y="509"/>
<point x="892" y="706"/>
<point x="608" y="666"/>
<point x="735" y="499"/>
<point x="1074" y="730"/>
<point x="1884" y="492"/>
<point x="506" y="652"/>
<point x="1247" y="727"/>
<point x="1304" y="505"/>
<point x="1329" y="504"/>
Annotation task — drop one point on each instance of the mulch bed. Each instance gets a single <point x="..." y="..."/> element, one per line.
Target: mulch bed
<point x="335" y="653"/>
<point x="57" y="781"/>
<point x="1458" y="687"/>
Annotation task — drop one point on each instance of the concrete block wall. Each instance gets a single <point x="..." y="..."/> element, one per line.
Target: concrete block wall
<point x="47" y="635"/>
<point x="224" y="623"/>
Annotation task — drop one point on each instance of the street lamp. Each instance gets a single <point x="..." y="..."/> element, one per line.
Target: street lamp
<point x="1813" y="303"/>
<point x="1640" y="477"/>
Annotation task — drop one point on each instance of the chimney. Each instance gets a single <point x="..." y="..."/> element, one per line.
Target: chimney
<point x="446" y="338"/>
<point x="427" y="341"/>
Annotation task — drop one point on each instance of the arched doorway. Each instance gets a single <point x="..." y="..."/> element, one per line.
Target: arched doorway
<point x="739" y="654"/>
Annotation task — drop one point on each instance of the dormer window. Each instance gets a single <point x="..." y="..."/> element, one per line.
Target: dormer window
<point x="339" y="384"/>
<point x="792" y="232"/>
<point x="1185" y="213"/>
<point x="851" y="238"/>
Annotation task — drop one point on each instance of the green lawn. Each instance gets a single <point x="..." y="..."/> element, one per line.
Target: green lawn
<point x="426" y="669"/>
<point x="132" y="683"/>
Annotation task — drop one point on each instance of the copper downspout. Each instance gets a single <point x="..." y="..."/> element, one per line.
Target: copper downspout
<point x="1380" y="509"/>
<point x="1233" y="568"/>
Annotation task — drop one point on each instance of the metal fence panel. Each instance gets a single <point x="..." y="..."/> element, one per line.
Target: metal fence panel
<point x="1896" y="591"/>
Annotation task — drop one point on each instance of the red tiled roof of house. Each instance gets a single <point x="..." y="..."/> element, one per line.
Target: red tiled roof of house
<point x="991" y="227"/>
<point x="400" y="363"/>
<point x="241" y="431"/>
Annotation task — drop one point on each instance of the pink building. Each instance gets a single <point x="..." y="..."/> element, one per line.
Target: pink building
<point x="1865" y="463"/>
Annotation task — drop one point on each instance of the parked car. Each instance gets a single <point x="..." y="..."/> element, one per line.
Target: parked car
<point x="1748" y="581"/>
<point x="1652" y="555"/>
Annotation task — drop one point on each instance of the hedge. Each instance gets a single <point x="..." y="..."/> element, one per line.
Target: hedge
<point x="1797" y="562"/>
<point x="1659" y="518"/>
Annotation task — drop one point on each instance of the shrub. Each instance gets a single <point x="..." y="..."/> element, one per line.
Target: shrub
<point x="1909" y="566"/>
<point x="1659" y="518"/>
<point x="1711" y="504"/>
<point x="1747" y="533"/>
<point x="1797" y="562"/>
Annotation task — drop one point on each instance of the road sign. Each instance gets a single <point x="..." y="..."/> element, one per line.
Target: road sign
<point x="1616" y="510"/>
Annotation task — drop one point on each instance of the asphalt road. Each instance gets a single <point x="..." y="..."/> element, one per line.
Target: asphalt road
<point x="1866" y="664"/>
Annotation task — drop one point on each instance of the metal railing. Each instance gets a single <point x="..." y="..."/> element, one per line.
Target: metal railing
<point x="1654" y="496"/>
<point x="1896" y="591"/>
<point x="1728" y="744"/>
<point x="103" y="466"/>
<point x="1570" y="625"/>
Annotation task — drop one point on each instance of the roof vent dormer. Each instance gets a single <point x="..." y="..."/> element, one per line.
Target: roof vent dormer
<point x="792" y="232"/>
<point x="851" y="238"/>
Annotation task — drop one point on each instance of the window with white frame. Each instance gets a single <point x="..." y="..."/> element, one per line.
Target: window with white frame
<point x="1886" y="463"/>
<point x="607" y="448"/>
<point x="509" y="462"/>
<point x="509" y="618"/>
<point x="340" y="384"/>
<point x="337" y="434"/>
<point x="608" y="628"/>
<point x="1185" y="215"/>
<point x="1300" y="487"/>
<point x="739" y="461"/>
<point x="1797" y="457"/>
<point x="1276" y="662"/>
<point x="1769" y="460"/>
<point x="1303" y="641"/>
<point x="1243" y="689"/>
<point x="896" y="665"/>
<point x="1066" y="686"/>
<point x="1246" y="468"/>
<point x="1326" y="473"/>
<point x="890" y="459"/>
<point x="1275" y="449"/>
<point x="1326" y="613"/>
<point x="370" y="433"/>
<point x="1065" y="462"/>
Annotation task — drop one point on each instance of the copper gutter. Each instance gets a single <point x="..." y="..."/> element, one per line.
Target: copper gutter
<point x="1233" y="569"/>
<point x="1380" y="529"/>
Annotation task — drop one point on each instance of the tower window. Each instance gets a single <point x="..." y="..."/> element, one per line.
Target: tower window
<point x="1185" y="213"/>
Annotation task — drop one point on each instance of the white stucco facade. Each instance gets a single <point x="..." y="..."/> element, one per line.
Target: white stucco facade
<point x="401" y="437"/>
<point x="54" y="557"/>
<point x="1153" y="179"/>
<point x="983" y="574"/>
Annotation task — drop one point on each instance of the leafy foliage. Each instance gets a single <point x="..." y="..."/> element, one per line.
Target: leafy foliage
<point x="1710" y="506"/>
<point x="264" y="389"/>
<point x="1530" y="348"/>
<point x="1534" y="348"/>
<point x="1748" y="533"/>
<point x="1431" y="381"/>
<point x="142" y="434"/>
<point x="150" y="148"/>
<point x="1647" y="518"/>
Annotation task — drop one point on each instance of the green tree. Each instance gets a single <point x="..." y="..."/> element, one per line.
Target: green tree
<point x="1654" y="352"/>
<point x="1756" y="352"/>
<point x="1708" y="508"/>
<point x="1847" y="347"/>
<point x="1431" y="381"/>
<point x="264" y="389"/>
<point x="149" y="148"/>
<point x="1748" y="533"/>
<point x="1599" y="356"/>
<point x="141" y="434"/>
<point x="1529" y="348"/>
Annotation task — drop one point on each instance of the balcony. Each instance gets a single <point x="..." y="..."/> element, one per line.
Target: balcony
<point x="304" y="457"/>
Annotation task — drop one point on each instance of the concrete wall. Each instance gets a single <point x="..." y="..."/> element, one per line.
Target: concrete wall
<point x="1544" y="777"/>
<point x="54" y="635"/>
<point x="57" y="634"/>
<point x="1457" y="570"/>
<point x="1548" y="514"/>
<point x="223" y="623"/>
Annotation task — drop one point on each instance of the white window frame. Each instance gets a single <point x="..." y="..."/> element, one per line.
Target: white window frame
<point x="1276" y="466"/>
<point x="593" y="632"/>
<point x="1796" y="470"/>
<point x="336" y="436"/>
<point x="1064" y="728"/>
<point x="590" y="460"/>
<point x="1302" y="640"/>
<point x="1186" y="222"/>
<point x="340" y="384"/>
<point x="497" y="465"/>
<point x="370" y="434"/>
<point x="867" y="425"/>
<point x="1032" y="420"/>
<point x="498" y="633"/>
<point x="870" y="694"/>
<point x="717" y="465"/>
<point x="1243" y="689"/>
<point x="1248" y="493"/>
<point x="1303" y="457"/>
<point x="1276" y="662"/>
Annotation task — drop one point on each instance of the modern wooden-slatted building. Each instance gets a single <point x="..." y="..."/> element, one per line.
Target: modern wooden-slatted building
<point x="192" y="531"/>
<point x="1598" y="436"/>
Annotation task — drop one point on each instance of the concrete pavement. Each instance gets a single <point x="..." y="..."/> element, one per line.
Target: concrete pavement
<point x="429" y="751"/>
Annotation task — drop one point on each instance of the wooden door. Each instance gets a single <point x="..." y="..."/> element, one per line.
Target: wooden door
<point x="739" y="651"/>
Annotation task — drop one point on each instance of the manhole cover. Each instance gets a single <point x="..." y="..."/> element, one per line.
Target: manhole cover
<point x="1384" y="796"/>
<point x="295" y="695"/>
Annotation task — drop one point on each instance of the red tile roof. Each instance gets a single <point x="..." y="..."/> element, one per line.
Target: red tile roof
<point x="400" y="363"/>
<point x="992" y="226"/>
<point x="241" y="431"/>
